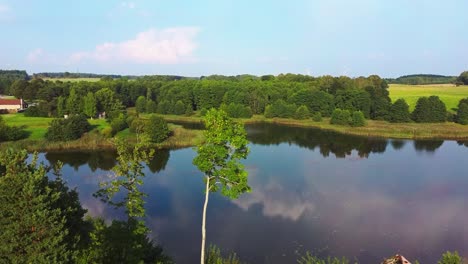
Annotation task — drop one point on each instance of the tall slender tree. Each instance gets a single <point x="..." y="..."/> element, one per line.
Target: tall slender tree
<point x="219" y="159"/>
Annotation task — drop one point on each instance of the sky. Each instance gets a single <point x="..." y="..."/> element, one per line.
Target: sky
<point x="231" y="37"/>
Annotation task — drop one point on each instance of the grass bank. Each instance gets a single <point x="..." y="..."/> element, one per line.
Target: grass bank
<point x="373" y="128"/>
<point x="448" y="93"/>
<point x="93" y="140"/>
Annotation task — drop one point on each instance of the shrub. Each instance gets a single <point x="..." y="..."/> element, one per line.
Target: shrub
<point x="341" y="117"/>
<point x="317" y="117"/>
<point x="462" y="112"/>
<point x="203" y="111"/>
<point x="11" y="133"/>
<point x="358" y="119"/>
<point x="450" y="258"/>
<point x="399" y="112"/>
<point x="429" y="110"/>
<point x="107" y="132"/>
<point x="302" y="113"/>
<point x="189" y="110"/>
<point x="151" y="107"/>
<point x="118" y="124"/>
<point x="157" y="129"/>
<point x="34" y="111"/>
<point x="179" y="108"/>
<point x="67" y="129"/>
<point x="140" y="104"/>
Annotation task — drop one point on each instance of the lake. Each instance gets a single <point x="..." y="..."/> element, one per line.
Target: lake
<point x="332" y="194"/>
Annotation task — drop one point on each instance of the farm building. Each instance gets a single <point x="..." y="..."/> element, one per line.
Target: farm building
<point x="12" y="105"/>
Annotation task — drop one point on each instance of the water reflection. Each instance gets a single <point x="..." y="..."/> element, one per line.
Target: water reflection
<point x="340" y="200"/>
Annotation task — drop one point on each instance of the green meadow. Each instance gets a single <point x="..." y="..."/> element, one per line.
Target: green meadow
<point x="448" y="93"/>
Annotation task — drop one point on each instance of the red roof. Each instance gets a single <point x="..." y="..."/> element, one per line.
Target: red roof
<point x="10" y="101"/>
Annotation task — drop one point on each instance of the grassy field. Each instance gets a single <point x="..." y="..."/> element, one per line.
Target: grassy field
<point x="448" y="93"/>
<point x="72" y="79"/>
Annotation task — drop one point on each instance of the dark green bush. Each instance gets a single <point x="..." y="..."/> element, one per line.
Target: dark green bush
<point x="429" y="110"/>
<point x="157" y="129"/>
<point x="302" y="113"/>
<point x="462" y="112"/>
<point x="317" y="117"/>
<point x="341" y="117"/>
<point x="67" y="129"/>
<point x="399" y="112"/>
<point x="35" y="111"/>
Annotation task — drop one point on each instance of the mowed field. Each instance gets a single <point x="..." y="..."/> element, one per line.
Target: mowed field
<point x="448" y="93"/>
<point x="72" y="79"/>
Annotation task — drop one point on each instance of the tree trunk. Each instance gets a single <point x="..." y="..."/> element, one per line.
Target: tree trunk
<point x="202" y="260"/>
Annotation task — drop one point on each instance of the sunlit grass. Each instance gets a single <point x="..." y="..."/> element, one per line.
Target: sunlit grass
<point x="448" y="93"/>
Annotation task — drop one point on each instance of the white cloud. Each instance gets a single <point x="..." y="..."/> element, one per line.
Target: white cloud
<point x="167" y="46"/>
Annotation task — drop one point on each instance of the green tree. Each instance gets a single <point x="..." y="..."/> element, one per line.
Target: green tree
<point x="358" y="119"/>
<point x="33" y="229"/>
<point x="151" y="106"/>
<point x="73" y="103"/>
<point x="450" y="258"/>
<point x="429" y="110"/>
<point x="340" y="117"/>
<point x="317" y="117"/>
<point x="140" y="104"/>
<point x="462" y="112"/>
<point x="463" y="78"/>
<point x="179" y="108"/>
<point x="302" y="113"/>
<point x="399" y="112"/>
<point x="219" y="160"/>
<point x="90" y="105"/>
<point x="61" y="106"/>
<point x="156" y="129"/>
<point x="67" y="129"/>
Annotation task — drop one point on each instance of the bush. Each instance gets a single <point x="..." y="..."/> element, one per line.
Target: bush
<point x="203" y="111"/>
<point x="450" y="258"/>
<point x="34" y="111"/>
<point x="11" y="133"/>
<point x="302" y="113"/>
<point x="462" y="112"/>
<point x="341" y="117"/>
<point x="179" y="108"/>
<point x="317" y="117"/>
<point x="429" y="110"/>
<point x="107" y="132"/>
<point x="151" y="107"/>
<point x="358" y="119"/>
<point x="67" y="129"/>
<point x="157" y="129"/>
<point x="399" y="112"/>
<point x="118" y="124"/>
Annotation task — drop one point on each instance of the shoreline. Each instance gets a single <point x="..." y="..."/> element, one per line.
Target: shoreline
<point x="378" y="129"/>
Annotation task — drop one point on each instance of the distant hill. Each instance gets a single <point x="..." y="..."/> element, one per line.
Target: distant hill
<point x="418" y="79"/>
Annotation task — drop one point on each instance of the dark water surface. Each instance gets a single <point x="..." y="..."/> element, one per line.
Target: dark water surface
<point x="311" y="190"/>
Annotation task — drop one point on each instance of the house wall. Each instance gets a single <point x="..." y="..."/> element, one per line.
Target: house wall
<point x="10" y="107"/>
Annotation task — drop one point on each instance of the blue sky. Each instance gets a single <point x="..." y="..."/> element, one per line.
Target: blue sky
<point x="193" y="38"/>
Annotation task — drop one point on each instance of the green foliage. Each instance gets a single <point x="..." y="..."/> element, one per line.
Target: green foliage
<point x="429" y="110"/>
<point x="308" y="258"/>
<point x="463" y="78"/>
<point x="419" y="79"/>
<point x="399" y="112"/>
<point x="118" y="124"/>
<point x="90" y="105"/>
<point x="214" y="256"/>
<point x="189" y="110"/>
<point x="317" y="117"/>
<point x="156" y="129"/>
<point x="151" y="106"/>
<point x="61" y="106"/>
<point x="11" y="133"/>
<point x="73" y="103"/>
<point x="280" y="109"/>
<point x="119" y="243"/>
<point x="450" y="258"/>
<point x="67" y="129"/>
<point x="35" y="111"/>
<point x="341" y="117"/>
<point x="140" y="105"/>
<point x="235" y="110"/>
<point x="462" y="112"/>
<point x="179" y="108"/>
<point x="302" y="113"/>
<point x="219" y="157"/>
<point x="165" y="107"/>
<point x="354" y="100"/>
<point x="358" y="119"/>
<point x="34" y="226"/>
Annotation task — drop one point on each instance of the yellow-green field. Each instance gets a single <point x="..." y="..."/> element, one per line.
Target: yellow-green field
<point x="448" y="93"/>
<point x="72" y="79"/>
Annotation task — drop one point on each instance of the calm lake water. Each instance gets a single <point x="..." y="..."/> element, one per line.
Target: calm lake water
<point x="311" y="190"/>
